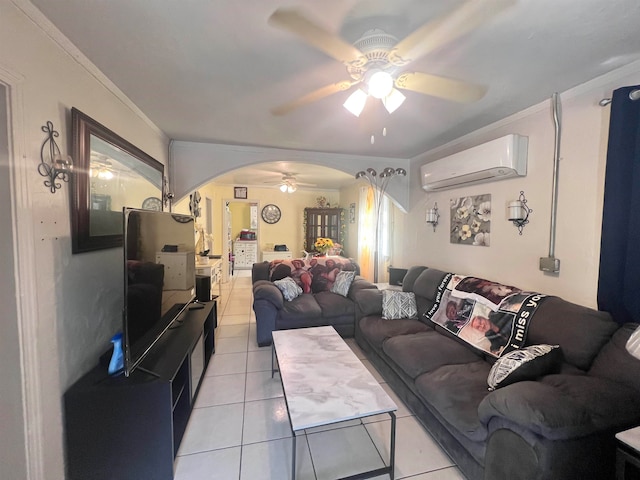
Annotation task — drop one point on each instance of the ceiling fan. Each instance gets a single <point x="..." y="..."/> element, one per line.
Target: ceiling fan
<point x="377" y="60"/>
<point x="289" y="184"/>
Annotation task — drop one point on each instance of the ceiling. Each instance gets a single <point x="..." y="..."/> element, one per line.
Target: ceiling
<point x="211" y="70"/>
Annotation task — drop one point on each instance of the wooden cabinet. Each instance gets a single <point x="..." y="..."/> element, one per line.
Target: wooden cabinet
<point x="269" y="256"/>
<point x="130" y="428"/>
<point x="323" y="222"/>
<point x="212" y="269"/>
<point x="245" y="253"/>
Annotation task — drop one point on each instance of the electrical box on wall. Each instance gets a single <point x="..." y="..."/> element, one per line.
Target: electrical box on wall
<point x="550" y="264"/>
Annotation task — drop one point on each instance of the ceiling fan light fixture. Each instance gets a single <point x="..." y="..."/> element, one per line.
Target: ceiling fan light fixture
<point x="283" y="187"/>
<point x="356" y="101"/>
<point x="380" y="84"/>
<point x="392" y="101"/>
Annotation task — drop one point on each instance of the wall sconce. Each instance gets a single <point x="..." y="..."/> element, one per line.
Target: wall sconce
<point x="55" y="167"/>
<point x="167" y="195"/>
<point x="432" y="216"/>
<point x="518" y="212"/>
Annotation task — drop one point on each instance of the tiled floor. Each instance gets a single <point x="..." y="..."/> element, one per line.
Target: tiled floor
<point x="239" y="428"/>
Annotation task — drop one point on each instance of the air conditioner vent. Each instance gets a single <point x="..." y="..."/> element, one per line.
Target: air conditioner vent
<point x="502" y="158"/>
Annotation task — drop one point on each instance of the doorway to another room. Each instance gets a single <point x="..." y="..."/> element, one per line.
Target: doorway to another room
<point x="241" y="234"/>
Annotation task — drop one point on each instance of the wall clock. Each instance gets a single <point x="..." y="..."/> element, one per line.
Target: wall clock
<point x="152" y="203"/>
<point x="271" y="213"/>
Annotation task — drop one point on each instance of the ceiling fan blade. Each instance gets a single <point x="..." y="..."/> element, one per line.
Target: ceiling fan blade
<point x="446" y="29"/>
<point x="312" y="97"/>
<point x="295" y="22"/>
<point x="442" y="87"/>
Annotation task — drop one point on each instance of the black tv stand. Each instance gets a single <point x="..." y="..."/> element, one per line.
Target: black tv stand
<point x="130" y="428"/>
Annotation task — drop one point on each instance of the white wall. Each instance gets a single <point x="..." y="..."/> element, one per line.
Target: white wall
<point x="194" y="164"/>
<point x="12" y="439"/>
<point x="77" y="298"/>
<point x="512" y="258"/>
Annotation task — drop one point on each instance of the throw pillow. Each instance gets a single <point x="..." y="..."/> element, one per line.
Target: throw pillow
<point x="527" y="363"/>
<point x="289" y="288"/>
<point x="396" y="304"/>
<point x="342" y="283"/>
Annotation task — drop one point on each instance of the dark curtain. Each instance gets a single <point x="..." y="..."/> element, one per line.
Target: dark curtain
<point x="619" y="279"/>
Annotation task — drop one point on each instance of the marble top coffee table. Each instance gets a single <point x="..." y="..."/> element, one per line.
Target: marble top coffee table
<point x="325" y="383"/>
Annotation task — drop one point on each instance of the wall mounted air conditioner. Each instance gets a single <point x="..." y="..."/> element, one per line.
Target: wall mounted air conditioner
<point x="503" y="157"/>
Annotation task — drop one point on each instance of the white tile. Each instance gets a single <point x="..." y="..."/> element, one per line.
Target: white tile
<point x="259" y="360"/>
<point x="416" y="451"/>
<point x="260" y="386"/>
<point x="373" y="371"/>
<point x="231" y="345"/>
<point x="265" y="420"/>
<point x="211" y="428"/>
<point x="450" y="473"/>
<point x="353" y="345"/>
<point x="234" y="319"/>
<point x="253" y="338"/>
<point x="221" y="390"/>
<point x="214" y="465"/>
<point x="226" y="331"/>
<point x="272" y="460"/>
<point x="233" y="308"/>
<point x="227" y="363"/>
<point x="403" y="410"/>
<point x="343" y="452"/>
<point x="333" y="426"/>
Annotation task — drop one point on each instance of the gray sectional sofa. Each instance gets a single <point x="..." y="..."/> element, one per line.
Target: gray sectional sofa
<point x="322" y="308"/>
<point x="558" y="426"/>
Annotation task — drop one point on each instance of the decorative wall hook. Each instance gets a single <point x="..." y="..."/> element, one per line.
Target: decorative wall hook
<point x="433" y="216"/>
<point x="55" y="166"/>
<point x="519" y="212"/>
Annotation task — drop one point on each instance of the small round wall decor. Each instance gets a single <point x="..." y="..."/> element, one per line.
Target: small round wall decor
<point x="152" y="203"/>
<point x="271" y="213"/>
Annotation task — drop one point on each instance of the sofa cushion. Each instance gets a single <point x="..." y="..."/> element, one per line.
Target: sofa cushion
<point x="426" y="285"/>
<point x="369" y="301"/>
<point x="610" y="405"/>
<point x="289" y="288"/>
<point x="410" y="277"/>
<point x="300" y="310"/>
<point x="397" y="304"/>
<point x="580" y="331"/>
<point x="561" y="407"/>
<point x="266" y="290"/>
<point x="615" y="363"/>
<point x="527" y="363"/>
<point x="334" y="305"/>
<point x="376" y="330"/>
<point x="426" y="351"/>
<point x="455" y="392"/>
<point x="538" y="407"/>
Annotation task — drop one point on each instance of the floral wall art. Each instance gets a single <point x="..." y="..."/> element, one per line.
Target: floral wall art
<point x="471" y="220"/>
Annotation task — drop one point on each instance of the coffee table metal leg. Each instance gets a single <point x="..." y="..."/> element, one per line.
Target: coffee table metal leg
<point x="273" y="356"/>
<point x="392" y="450"/>
<point x="293" y="457"/>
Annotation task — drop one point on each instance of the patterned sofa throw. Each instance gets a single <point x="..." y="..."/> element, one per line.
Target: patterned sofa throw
<point x="318" y="274"/>
<point x="492" y="317"/>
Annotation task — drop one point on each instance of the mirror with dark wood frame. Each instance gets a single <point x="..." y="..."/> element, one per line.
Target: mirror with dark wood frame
<point x="110" y="173"/>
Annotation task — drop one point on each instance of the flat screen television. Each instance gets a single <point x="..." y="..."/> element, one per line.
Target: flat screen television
<point x="159" y="278"/>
